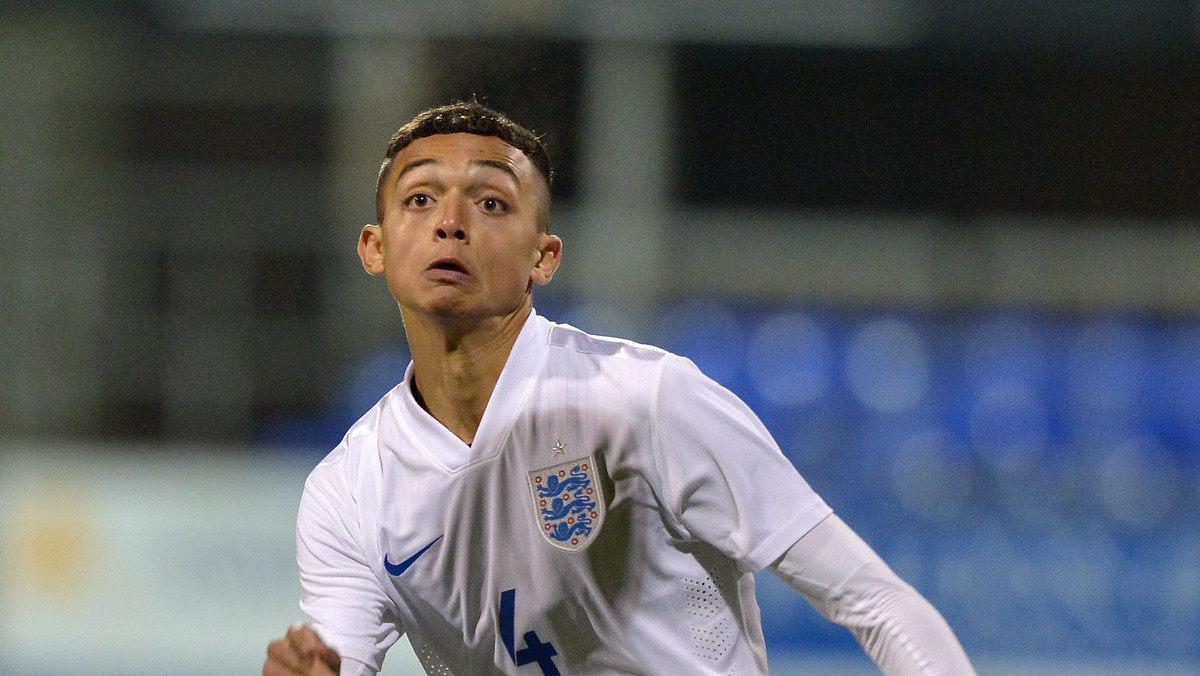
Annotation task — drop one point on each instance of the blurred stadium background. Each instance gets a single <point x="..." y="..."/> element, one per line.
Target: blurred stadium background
<point x="948" y="251"/>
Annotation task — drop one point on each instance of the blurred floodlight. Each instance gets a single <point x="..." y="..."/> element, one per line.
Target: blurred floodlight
<point x="790" y="359"/>
<point x="1139" y="483"/>
<point x="887" y="367"/>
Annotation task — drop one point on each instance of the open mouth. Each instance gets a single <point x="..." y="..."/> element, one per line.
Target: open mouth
<point x="448" y="264"/>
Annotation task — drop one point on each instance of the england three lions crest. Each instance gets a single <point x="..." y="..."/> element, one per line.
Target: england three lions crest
<point x="568" y="503"/>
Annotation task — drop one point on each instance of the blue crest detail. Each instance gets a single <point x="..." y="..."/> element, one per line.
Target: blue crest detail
<point x="569" y="505"/>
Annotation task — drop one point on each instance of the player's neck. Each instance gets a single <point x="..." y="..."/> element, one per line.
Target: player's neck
<point x="456" y="369"/>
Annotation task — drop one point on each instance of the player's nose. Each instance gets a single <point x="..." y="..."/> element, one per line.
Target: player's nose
<point x="452" y="219"/>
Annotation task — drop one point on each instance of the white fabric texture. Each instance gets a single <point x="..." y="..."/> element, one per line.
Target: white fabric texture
<point x="847" y="582"/>
<point x="355" y="668"/>
<point x="405" y="529"/>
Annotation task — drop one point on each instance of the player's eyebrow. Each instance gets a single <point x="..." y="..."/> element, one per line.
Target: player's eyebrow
<point x="502" y="166"/>
<point x="494" y="164"/>
<point x="413" y="165"/>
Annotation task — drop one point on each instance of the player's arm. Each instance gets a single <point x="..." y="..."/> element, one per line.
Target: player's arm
<point x="348" y="611"/>
<point x="847" y="582"/>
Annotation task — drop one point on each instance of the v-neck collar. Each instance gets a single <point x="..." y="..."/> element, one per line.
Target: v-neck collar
<point x="516" y="378"/>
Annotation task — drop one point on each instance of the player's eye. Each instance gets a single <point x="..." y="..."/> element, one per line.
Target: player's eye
<point x="418" y="200"/>
<point x="493" y="205"/>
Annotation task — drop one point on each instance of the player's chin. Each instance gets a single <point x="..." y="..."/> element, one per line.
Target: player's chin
<point x="441" y="301"/>
<point x="455" y="312"/>
<point x="480" y="302"/>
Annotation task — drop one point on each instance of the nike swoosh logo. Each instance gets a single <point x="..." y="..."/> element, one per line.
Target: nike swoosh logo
<point x="399" y="568"/>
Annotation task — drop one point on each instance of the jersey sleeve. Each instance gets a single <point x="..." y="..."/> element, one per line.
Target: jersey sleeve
<point x="847" y="582"/>
<point x="725" y="481"/>
<point x="340" y="595"/>
<point x="355" y="668"/>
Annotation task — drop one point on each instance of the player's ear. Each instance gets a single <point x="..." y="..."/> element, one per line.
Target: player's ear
<point x="370" y="249"/>
<point x="547" y="258"/>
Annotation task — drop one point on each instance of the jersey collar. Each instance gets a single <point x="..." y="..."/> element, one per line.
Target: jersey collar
<point x="521" y="370"/>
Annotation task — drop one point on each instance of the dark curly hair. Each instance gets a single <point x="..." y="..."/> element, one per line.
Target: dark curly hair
<point x="470" y="118"/>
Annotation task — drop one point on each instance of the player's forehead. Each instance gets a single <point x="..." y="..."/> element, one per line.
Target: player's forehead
<point x="465" y="153"/>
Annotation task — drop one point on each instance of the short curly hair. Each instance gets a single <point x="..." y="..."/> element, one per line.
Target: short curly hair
<point x="470" y="118"/>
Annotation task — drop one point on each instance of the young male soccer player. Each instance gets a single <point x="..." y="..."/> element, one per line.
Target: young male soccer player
<point x="532" y="499"/>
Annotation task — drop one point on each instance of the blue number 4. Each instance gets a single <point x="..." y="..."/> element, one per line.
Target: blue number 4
<point x="534" y="652"/>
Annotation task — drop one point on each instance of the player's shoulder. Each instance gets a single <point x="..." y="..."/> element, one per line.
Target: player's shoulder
<point x="357" y="452"/>
<point x="574" y="340"/>
<point x="627" y="360"/>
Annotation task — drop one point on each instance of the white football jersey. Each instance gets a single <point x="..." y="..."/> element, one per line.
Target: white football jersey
<point x="606" y="520"/>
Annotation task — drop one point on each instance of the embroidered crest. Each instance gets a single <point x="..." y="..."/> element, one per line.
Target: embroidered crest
<point x="568" y="503"/>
